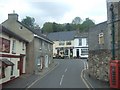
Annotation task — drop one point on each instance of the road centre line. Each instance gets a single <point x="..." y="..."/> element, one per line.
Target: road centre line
<point x="41" y="77"/>
<point x="66" y="70"/>
<point x="61" y="80"/>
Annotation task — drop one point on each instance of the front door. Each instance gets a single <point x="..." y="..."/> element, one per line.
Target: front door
<point x="77" y="53"/>
<point x="20" y="65"/>
<point x="46" y="61"/>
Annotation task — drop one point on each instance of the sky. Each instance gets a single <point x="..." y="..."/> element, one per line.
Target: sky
<point x="59" y="11"/>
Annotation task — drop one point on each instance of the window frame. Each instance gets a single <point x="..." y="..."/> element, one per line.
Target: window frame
<point x="14" y="47"/>
<point x="80" y="41"/>
<point x="84" y="51"/>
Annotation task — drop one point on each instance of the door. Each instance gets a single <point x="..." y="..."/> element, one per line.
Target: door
<point x="20" y="65"/>
<point x="46" y="61"/>
<point x="41" y="62"/>
<point x="77" y="52"/>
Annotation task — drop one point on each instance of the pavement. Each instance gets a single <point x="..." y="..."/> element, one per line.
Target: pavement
<point x="26" y="80"/>
<point x="95" y="83"/>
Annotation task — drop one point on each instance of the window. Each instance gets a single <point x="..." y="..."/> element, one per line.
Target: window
<point x="49" y="47"/>
<point x="61" y="43"/>
<point x="4" y="45"/>
<point x="80" y="41"/>
<point x="12" y="70"/>
<point x="84" y="51"/>
<point x="68" y="43"/>
<point x="101" y="38"/>
<point x="23" y="46"/>
<point x="3" y="71"/>
<point x="43" y="47"/>
<point x="38" y="61"/>
<point x="66" y="51"/>
<point x="14" y="47"/>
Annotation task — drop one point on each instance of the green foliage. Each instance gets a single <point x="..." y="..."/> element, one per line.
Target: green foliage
<point x="47" y="27"/>
<point x="77" y="20"/>
<point x="75" y="25"/>
<point x="87" y="23"/>
<point x="30" y="22"/>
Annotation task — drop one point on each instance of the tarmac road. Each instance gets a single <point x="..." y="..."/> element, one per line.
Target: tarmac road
<point x="66" y="75"/>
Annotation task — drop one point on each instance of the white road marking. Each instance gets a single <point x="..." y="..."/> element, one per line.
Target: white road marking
<point x="61" y="80"/>
<point x="66" y="70"/>
<point x="88" y="82"/>
<point x="83" y="79"/>
<point x="41" y="77"/>
<point x="83" y="75"/>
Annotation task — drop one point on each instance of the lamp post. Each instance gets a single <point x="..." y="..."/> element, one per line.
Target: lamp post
<point x="114" y="63"/>
<point x="113" y="32"/>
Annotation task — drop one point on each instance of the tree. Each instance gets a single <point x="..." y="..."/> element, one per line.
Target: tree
<point x="47" y="27"/>
<point x="87" y="23"/>
<point x="29" y="22"/>
<point x="68" y="27"/>
<point x="76" y="20"/>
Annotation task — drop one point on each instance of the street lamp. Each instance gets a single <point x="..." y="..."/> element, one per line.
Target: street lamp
<point x="113" y="32"/>
<point x="114" y="64"/>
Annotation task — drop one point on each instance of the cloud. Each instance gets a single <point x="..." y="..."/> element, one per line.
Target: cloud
<point x="51" y="9"/>
<point x="59" y="11"/>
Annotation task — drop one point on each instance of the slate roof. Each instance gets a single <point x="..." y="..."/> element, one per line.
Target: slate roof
<point x="37" y="32"/>
<point x="81" y="35"/>
<point x="62" y="36"/>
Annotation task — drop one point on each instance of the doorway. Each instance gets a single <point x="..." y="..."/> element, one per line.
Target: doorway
<point x="77" y="52"/>
<point x="46" y="61"/>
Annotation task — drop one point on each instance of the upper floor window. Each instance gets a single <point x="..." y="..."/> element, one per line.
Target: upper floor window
<point x="23" y="46"/>
<point x="68" y="43"/>
<point x="101" y="38"/>
<point x="4" y="45"/>
<point x="80" y="41"/>
<point x="40" y="44"/>
<point x="14" y="46"/>
<point x="61" y="43"/>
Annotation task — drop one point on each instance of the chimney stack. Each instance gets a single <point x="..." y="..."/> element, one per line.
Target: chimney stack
<point x="13" y="16"/>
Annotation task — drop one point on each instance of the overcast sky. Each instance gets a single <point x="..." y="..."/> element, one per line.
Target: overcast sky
<point x="59" y="11"/>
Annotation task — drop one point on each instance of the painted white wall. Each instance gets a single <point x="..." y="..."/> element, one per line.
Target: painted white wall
<point x="84" y="42"/>
<point x="76" y="46"/>
<point x="74" y="52"/>
<point x="19" y="50"/>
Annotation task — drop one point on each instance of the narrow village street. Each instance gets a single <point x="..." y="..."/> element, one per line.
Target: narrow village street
<point x="55" y="46"/>
<point x="66" y="75"/>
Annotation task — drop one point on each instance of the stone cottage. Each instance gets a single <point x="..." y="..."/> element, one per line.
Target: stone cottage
<point x="38" y="48"/>
<point x="99" y="54"/>
<point x="12" y="55"/>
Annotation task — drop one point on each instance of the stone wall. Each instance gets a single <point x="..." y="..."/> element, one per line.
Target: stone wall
<point x="101" y="54"/>
<point x="99" y="64"/>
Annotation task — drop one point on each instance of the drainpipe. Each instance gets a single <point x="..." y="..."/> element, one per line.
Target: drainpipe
<point x="113" y="32"/>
